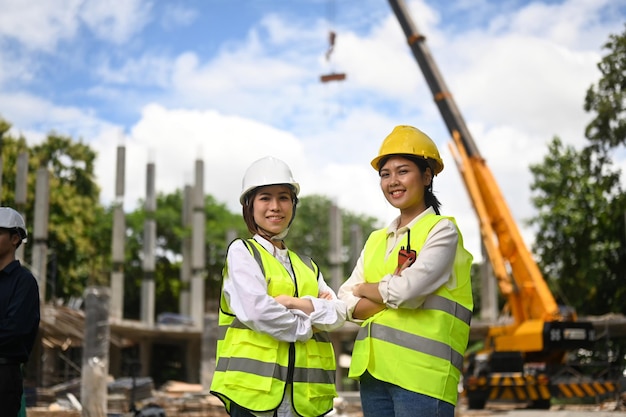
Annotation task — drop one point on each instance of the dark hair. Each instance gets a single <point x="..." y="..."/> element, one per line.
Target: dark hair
<point x="247" y="208"/>
<point x="422" y="164"/>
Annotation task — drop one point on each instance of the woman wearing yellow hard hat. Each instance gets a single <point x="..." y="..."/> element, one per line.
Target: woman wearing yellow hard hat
<point x="410" y="291"/>
<point x="274" y="356"/>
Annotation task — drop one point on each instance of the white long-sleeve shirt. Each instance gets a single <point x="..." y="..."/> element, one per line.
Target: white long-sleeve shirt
<point x="432" y="268"/>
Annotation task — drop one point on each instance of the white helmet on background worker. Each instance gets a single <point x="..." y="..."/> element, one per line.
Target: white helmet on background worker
<point x="408" y="140"/>
<point x="11" y="219"/>
<point x="267" y="171"/>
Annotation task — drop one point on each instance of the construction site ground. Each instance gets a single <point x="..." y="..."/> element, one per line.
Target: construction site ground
<point x="178" y="399"/>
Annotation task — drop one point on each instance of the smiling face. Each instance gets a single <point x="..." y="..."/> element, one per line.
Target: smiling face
<point x="273" y="208"/>
<point x="403" y="184"/>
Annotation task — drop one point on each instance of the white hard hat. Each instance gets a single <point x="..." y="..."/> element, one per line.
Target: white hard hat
<point x="267" y="171"/>
<point x="11" y="219"/>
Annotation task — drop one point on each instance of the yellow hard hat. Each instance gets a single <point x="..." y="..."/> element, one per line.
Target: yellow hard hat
<point x="407" y="140"/>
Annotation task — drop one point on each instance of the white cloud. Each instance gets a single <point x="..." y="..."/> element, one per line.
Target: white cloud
<point x="39" y="25"/>
<point x="27" y="112"/>
<point x="115" y="21"/>
<point x="173" y="139"/>
<point x="177" y="15"/>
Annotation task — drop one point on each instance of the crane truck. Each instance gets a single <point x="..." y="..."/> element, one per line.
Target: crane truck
<point x="522" y="359"/>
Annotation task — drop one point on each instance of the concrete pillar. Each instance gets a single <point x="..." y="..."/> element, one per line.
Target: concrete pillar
<point x="40" y="230"/>
<point x="149" y="249"/>
<point x="185" y="268"/>
<point x="95" y="366"/>
<point x="21" y="191"/>
<point x="198" y="243"/>
<point x="118" y="238"/>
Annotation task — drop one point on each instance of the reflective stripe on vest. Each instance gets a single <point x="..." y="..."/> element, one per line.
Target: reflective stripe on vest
<point x="272" y="370"/>
<point x="221" y="332"/>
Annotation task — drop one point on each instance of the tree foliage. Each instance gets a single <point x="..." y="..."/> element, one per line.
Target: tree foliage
<point x="607" y="99"/>
<point x="581" y="229"/>
<point x="581" y="202"/>
<point x="76" y="219"/>
<point x="310" y="232"/>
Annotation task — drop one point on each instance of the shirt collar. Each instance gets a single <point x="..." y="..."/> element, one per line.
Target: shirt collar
<point x="393" y="226"/>
<point x="266" y="244"/>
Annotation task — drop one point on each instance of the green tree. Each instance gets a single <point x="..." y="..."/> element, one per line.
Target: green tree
<point x="76" y="219"/>
<point x="581" y="203"/>
<point x="581" y="249"/>
<point x="310" y="233"/>
<point x="76" y="216"/>
<point x="607" y="99"/>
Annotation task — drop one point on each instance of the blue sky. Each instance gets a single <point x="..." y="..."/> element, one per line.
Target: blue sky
<point x="230" y="81"/>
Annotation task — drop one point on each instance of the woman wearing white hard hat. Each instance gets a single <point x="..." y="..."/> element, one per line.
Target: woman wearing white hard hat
<point x="410" y="291"/>
<point x="274" y="356"/>
<point x="19" y="311"/>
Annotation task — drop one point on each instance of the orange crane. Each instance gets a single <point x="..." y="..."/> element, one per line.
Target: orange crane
<point x="523" y="359"/>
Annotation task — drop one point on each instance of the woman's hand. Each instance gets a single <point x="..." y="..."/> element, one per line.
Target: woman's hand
<point x="302" y="304"/>
<point x="404" y="266"/>
<point x="325" y="295"/>
<point x="367" y="290"/>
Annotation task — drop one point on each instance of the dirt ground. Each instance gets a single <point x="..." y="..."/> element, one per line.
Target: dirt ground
<point x="348" y="405"/>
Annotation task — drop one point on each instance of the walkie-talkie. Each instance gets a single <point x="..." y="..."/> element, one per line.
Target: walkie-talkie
<point x="407" y="253"/>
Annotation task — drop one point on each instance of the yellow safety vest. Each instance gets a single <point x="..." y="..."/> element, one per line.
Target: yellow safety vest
<point x="420" y="349"/>
<point x="253" y="369"/>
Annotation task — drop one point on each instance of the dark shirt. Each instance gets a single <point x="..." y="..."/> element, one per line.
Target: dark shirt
<point x="19" y="312"/>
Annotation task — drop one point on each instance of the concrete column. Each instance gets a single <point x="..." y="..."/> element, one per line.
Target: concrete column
<point x="95" y="369"/>
<point x="118" y="238"/>
<point x="149" y="249"/>
<point x="198" y="243"/>
<point x="40" y="230"/>
<point x="185" y="268"/>
<point x="21" y="189"/>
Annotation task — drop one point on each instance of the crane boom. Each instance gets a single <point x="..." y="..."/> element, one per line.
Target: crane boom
<point x="539" y="335"/>
<point x="500" y="235"/>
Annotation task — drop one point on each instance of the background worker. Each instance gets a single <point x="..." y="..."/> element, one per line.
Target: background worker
<point x="19" y="311"/>
<point x="413" y="296"/>
<point x="275" y="357"/>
